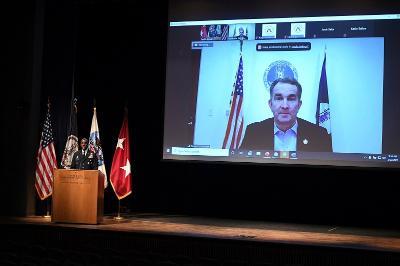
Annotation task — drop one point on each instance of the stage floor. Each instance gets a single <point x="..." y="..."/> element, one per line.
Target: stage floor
<point x="240" y="230"/>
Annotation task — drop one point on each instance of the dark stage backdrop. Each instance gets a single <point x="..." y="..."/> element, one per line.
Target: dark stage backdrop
<point x="117" y="48"/>
<point x="120" y="59"/>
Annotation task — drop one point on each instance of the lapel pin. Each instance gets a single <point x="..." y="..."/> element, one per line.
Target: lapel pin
<point x="305" y="141"/>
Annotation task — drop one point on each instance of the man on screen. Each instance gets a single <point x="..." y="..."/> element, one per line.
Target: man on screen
<point x="285" y="131"/>
<point x="84" y="159"/>
<point x="242" y="36"/>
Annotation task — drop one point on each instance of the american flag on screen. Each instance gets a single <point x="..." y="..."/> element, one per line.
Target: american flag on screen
<point x="234" y="128"/>
<point x="224" y="36"/>
<point x="46" y="160"/>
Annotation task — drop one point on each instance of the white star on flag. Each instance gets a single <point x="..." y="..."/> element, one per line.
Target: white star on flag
<point x="127" y="168"/>
<point x="119" y="144"/>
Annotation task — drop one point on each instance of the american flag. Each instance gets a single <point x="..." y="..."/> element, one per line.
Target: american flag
<point x="46" y="161"/>
<point x="224" y="36"/>
<point x="234" y="129"/>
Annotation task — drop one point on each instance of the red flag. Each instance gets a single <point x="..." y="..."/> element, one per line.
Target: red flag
<point x="121" y="167"/>
<point x="45" y="160"/>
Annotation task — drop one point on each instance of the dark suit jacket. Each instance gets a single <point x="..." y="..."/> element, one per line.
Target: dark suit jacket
<point x="310" y="137"/>
<point x="88" y="162"/>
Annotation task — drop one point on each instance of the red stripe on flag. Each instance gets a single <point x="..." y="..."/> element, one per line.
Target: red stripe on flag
<point x="45" y="163"/>
<point x="42" y="175"/>
<point x="228" y="128"/>
<point x="40" y="183"/>
<point x="53" y="156"/>
<point x="239" y="136"/>
<point x="38" y="189"/>
<point x="44" y="172"/>
<point x="234" y="144"/>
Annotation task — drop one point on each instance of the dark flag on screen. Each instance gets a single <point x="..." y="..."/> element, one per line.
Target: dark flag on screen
<point x="323" y="114"/>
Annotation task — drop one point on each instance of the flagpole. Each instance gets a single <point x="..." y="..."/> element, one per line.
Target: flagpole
<point x="47" y="209"/>
<point x="120" y="176"/>
<point x="119" y="217"/>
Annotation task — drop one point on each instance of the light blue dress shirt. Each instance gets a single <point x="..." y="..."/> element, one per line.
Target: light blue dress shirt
<point x="285" y="141"/>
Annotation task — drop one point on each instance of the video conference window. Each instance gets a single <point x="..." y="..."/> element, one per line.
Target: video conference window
<point x="307" y="90"/>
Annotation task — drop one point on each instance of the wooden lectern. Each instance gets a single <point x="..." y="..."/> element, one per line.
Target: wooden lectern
<point x="78" y="196"/>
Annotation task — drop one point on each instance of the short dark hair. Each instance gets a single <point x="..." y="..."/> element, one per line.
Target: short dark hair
<point x="287" y="81"/>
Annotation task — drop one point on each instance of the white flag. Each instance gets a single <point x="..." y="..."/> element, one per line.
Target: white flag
<point x="95" y="146"/>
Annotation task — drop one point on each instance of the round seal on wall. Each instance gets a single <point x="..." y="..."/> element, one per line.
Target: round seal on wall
<point x="279" y="69"/>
